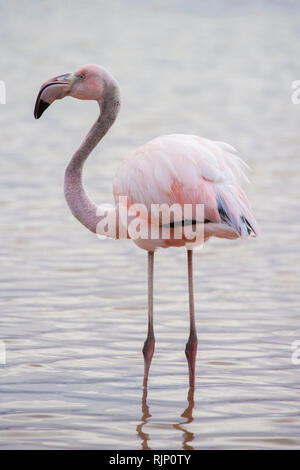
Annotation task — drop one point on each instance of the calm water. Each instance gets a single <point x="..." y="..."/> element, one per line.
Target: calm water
<point x="73" y="308"/>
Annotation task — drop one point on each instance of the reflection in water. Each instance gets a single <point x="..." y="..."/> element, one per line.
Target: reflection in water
<point x="187" y="437"/>
<point x="144" y="420"/>
<point x="188" y="414"/>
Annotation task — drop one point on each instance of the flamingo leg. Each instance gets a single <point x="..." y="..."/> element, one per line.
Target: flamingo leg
<point x="148" y="348"/>
<point x="191" y="345"/>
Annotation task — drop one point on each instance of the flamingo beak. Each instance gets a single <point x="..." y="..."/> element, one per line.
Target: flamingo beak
<point x="54" y="89"/>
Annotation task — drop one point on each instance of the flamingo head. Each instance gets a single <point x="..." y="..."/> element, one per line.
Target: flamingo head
<point x="87" y="83"/>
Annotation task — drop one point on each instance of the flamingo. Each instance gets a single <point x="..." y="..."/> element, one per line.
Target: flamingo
<point x="177" y="168"/>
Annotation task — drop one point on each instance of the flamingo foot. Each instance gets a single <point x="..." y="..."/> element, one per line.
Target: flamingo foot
<point x="191" y="353"/>
<point x="148" y="351"/>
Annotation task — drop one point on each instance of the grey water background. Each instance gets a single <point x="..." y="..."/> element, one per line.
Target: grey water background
<point x="73" y="307"/>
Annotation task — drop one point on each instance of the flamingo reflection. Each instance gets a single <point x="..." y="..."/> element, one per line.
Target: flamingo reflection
<point x="187" y="436"/>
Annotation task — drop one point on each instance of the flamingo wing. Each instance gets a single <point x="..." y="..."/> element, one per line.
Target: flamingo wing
<point x="187" y="169"/>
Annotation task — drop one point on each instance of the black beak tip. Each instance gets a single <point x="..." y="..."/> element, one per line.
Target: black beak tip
<point x="40" y="107"/>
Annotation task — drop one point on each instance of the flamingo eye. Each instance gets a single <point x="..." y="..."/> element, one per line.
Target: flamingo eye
<point x="81" y="76"/>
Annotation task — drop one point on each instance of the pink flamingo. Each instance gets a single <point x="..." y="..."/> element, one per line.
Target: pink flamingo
<point x="183" y="169"/>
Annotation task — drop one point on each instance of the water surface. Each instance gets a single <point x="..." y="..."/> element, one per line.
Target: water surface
<point x="73" y="308"/>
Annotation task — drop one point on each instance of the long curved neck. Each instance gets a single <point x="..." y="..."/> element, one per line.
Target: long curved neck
<point x="82" y="207"/>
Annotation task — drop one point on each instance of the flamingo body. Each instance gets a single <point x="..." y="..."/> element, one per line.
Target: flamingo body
<point x="172" y="170"/>
<point x="187" y="169"/>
